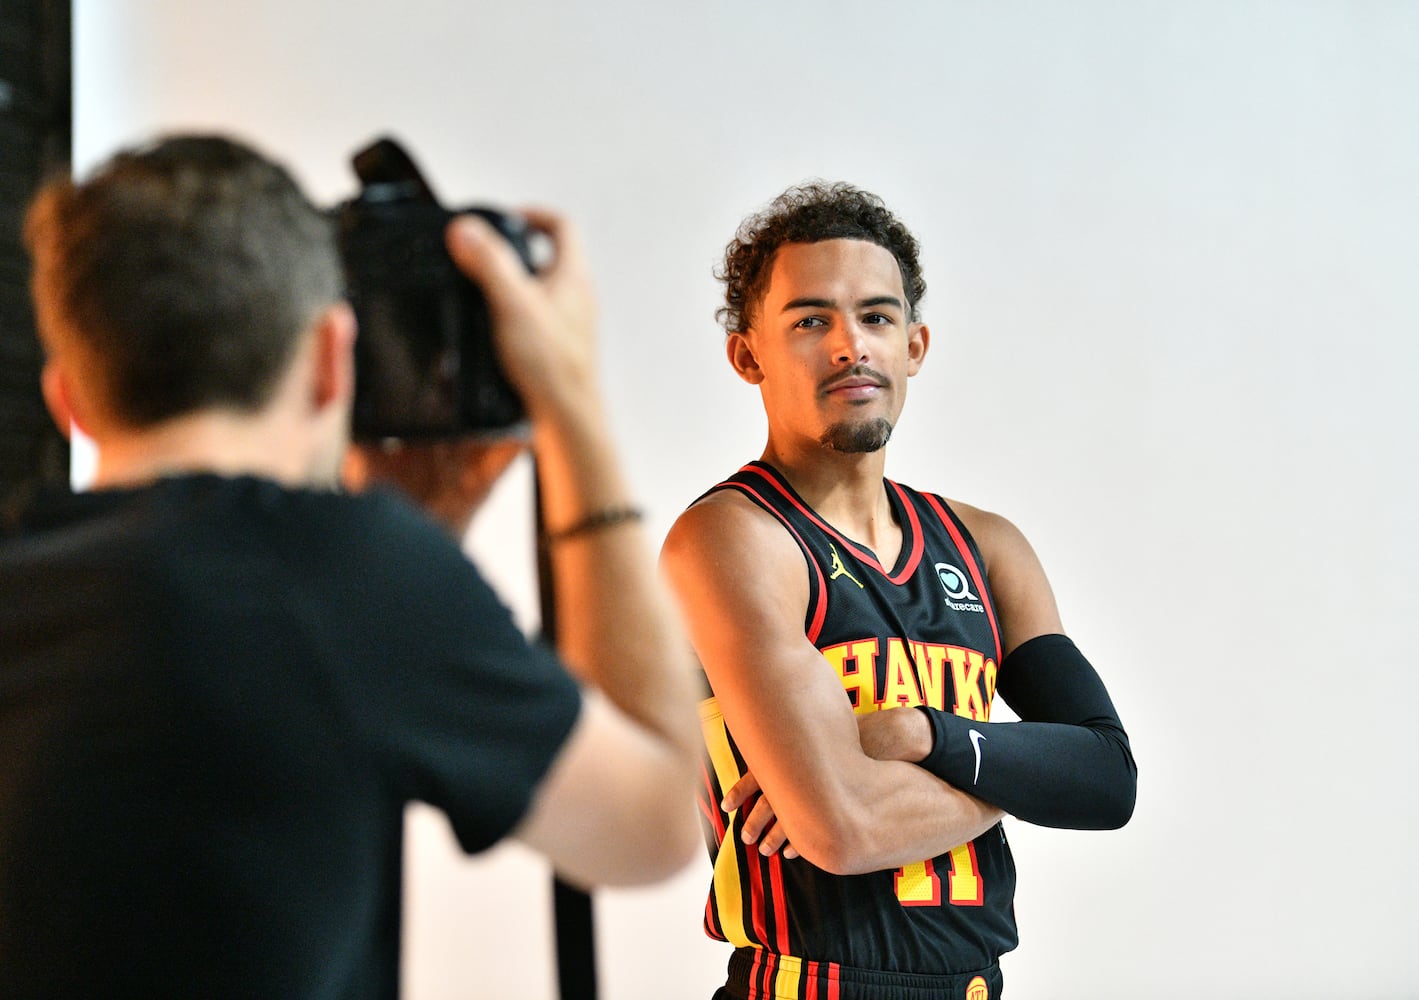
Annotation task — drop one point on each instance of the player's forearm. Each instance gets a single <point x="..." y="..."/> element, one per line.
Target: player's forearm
<point x="895" y="814"/>
<point x="1068" y="764"/>
<point x="615" y="626"/>
<point x="1072" y="777"/>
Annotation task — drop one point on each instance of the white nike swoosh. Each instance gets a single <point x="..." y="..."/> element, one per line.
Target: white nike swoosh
<point x="976" y="738"/>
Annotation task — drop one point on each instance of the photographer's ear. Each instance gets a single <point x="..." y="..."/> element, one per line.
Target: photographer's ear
<point x="334" y="374"/>
<point x="59" y="398"/>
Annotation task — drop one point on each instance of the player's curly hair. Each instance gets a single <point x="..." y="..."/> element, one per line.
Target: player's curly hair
<point x="810" y="213"/>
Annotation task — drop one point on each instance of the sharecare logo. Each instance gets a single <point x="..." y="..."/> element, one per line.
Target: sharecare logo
<point x="958" y="589"/>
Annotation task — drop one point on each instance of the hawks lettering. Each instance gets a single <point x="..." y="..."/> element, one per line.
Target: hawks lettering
<point x="901" y="689"/>
<point x="909" y="673"/>
<point x="968" y="669"/>
<point x="855" y="663"/>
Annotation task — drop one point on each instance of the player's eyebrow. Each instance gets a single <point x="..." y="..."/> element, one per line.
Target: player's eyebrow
<point x="808" y="302"/>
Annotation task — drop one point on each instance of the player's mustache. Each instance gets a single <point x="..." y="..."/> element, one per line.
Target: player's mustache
<point x="857" y="371"/>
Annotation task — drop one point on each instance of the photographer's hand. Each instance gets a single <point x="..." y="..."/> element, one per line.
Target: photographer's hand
<point x="615" y="626"/>
<point x="543" y="323"/>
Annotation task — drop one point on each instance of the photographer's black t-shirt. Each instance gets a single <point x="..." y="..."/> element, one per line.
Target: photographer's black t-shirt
<point x="216" y="698"/>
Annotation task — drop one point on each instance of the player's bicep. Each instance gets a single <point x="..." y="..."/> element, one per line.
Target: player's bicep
<point x="742" y="584"/>
<point x="1020" y="590"/>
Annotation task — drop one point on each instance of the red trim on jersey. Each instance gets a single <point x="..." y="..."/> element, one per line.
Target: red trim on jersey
<point x="918" y="544"/>
<point x="777" y="901"/>
<point x="712" y="927"/>
<point x="708" y="805"/>
<point x="756" y="895"/>
<point x="918" y="539"/>
<point x="810" y="980"/>
<point x="708" y="814"/>
<point x="976" y="576"/>
<point x="755" y="975"/>
<point x="833" y="981"/>
<point x="818" y="614"/>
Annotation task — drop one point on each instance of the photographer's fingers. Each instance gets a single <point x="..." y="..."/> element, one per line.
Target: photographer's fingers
<point x="543" y="324"/>
<point x="485" y="257"/>
<point x="567" y="249"/>
<point x="526" y="324"/>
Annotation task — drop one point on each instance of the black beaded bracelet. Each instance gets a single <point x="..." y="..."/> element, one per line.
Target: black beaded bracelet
<point x="595" y="521"/>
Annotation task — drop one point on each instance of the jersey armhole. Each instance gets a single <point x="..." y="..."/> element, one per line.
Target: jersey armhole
<point x="817" y="610"/>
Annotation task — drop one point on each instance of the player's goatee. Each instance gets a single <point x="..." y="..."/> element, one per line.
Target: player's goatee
<point x="858" y="438"/>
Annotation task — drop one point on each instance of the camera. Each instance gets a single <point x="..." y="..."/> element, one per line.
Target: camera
<point x="425" y="365"/>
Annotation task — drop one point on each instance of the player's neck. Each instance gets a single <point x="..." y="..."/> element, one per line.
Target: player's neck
<point x="845" y="489"/>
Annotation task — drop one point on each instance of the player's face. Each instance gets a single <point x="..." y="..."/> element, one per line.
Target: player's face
<point x="832" y="346"/>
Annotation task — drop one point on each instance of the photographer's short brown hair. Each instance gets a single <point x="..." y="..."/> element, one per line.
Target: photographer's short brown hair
<point x="184" y="272"/>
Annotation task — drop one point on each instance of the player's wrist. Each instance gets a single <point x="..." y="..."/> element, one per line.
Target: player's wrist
<point x="918" y="735"/>
<point x="895" y="734"/>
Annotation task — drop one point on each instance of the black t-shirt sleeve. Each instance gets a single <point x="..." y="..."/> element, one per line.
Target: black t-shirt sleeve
<point x="452" y="703"/>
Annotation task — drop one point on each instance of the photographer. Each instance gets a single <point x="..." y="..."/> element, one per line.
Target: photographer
<point x="222" y="679"/>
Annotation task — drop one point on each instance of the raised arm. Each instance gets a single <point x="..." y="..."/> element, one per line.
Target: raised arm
<point x="617" y="805"/>
<point x="743" y="587"/>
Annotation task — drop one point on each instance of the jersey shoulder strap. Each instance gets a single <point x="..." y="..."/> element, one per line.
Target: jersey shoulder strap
<point x="941" y="522"/>
<point x="763" y="485"/>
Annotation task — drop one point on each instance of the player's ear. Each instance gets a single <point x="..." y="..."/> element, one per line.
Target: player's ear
<point x="918" y="340"/>
<point x="740" y="351"/>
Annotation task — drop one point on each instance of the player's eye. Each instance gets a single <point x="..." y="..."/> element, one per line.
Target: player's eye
<point x="876" y="319"/>
<point x="808" y="322"/>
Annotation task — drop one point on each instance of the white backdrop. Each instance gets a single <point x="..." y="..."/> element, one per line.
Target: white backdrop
<point x="1171" y="250"/>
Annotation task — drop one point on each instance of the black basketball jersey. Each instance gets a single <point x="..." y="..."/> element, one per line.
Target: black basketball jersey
<point x="922" y="631"/>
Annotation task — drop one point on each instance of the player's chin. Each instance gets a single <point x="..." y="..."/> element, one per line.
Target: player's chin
<point x="857" y="437"/>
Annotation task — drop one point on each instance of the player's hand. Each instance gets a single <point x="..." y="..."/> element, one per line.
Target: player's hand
<point x="543" y="323"/>
<point x="762" y="824"/>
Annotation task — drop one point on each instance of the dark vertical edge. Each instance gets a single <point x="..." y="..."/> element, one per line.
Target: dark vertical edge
<point x="571" y="906"/>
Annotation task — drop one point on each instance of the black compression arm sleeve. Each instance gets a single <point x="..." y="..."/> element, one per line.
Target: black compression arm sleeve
<point x="1066" y="764"/>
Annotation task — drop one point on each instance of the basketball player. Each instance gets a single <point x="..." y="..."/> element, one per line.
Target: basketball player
<point x="854" y="632"/>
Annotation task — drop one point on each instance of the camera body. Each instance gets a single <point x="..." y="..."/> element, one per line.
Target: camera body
<point x="425" y="364"/>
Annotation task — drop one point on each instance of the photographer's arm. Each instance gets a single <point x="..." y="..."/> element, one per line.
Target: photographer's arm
<point x="626" y="773"/>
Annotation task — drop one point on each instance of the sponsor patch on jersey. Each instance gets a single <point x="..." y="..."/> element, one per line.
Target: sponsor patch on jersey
<point x="978" y="989"/>
<point x="958" y="589"/>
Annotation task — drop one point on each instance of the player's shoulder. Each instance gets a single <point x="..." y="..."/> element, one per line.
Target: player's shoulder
<point x="995" y="535"/>
<point x="726" y="524"/>
<point x="725" y="512"/>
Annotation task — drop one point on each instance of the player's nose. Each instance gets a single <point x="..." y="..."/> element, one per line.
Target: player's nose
<point x="849" y="343"/>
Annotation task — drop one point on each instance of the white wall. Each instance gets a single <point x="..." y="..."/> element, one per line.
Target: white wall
<point x="1171" y="252"/>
